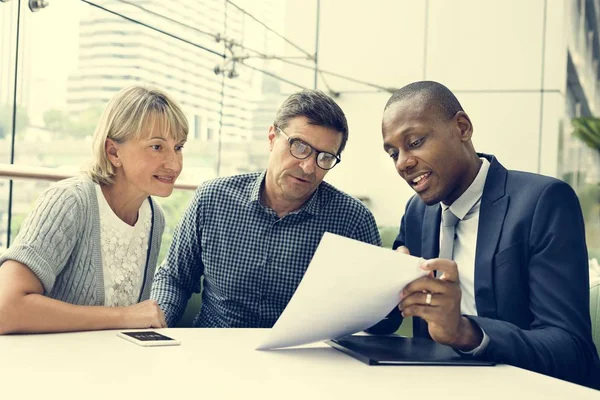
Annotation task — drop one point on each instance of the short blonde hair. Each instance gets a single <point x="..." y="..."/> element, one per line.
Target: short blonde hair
<point x="127" y="116"/>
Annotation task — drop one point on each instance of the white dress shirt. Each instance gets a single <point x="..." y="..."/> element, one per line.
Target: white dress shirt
<point x="466" y="208"/>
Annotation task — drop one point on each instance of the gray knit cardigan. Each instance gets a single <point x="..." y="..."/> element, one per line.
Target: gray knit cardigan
<point x="60" y="242"/>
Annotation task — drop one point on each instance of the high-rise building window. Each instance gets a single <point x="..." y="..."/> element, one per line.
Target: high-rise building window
<point x="197" y="127"/>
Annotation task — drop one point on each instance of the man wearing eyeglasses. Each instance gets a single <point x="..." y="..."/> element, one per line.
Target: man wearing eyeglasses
<point x="252" y="236"/>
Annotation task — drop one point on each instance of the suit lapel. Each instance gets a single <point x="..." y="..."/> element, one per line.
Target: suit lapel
<point x="494" y="204"/>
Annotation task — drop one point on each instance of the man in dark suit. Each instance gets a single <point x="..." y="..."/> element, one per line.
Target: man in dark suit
<point x="509" y="269"/>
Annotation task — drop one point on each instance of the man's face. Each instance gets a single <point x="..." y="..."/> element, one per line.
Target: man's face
<point x="291" y="178"/>
<point x="429" y="151"/>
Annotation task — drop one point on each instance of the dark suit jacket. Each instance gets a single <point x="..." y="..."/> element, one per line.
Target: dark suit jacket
<point x="531" y="273"/>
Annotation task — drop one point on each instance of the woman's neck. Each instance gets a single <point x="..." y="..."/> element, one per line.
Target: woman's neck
<point x="124" y="201"/>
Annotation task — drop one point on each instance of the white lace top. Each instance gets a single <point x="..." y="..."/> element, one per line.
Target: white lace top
<point x="124" y="249"/>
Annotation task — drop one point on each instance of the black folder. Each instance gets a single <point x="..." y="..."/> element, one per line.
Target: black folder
<point x="399" y="350"/>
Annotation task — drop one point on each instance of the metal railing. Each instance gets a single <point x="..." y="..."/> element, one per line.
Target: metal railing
<point x="11" y="171"/>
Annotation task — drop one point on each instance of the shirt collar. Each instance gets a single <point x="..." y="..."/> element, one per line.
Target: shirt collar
<point x="471" y="196"/>
<point x="255" y="191"/>
<point x="311" y="206"/>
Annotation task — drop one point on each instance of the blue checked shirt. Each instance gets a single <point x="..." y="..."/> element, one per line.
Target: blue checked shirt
<point x="252" y="260"/>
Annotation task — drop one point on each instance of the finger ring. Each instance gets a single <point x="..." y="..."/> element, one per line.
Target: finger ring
<point x="428" y="299"/>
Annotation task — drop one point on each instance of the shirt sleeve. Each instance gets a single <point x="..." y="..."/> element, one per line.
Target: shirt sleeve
<point x="180" y="273"/>
<point x="48" y="235"/>
<point x="479" y="350"/>
<point x="366" y="230"/>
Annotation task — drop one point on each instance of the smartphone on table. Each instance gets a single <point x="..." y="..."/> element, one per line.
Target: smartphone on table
<point x="148" y="338"/>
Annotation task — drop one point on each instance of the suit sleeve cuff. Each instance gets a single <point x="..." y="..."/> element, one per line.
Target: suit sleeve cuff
<point x="479" y="350"/>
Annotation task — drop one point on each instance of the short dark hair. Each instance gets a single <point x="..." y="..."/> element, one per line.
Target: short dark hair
<point x="318" y="108"/>
<point x="431" y="93"/>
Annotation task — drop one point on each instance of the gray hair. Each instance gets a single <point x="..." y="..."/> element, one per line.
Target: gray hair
<point x="318" y="108"/>
<point x="130" y="114"/>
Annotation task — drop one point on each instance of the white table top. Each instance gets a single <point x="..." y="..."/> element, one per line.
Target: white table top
<point x="222" y="364"/>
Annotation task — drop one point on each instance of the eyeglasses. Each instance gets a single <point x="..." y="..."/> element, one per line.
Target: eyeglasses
<point x="302" y="150"/>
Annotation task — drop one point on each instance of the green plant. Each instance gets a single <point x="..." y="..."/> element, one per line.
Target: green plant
<point x="587" y="129"/>
<point x="388" y="235"/>
<point x="6" y="115"/>
<point x="173" y="207"/>
<point x="75" y="124"/>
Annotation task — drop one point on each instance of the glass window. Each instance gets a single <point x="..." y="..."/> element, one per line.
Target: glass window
<point x="62" y="89"/>
<point x="9" y="109"/>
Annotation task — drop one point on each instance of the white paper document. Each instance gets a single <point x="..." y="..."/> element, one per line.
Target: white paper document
<point x="348" y="287"/>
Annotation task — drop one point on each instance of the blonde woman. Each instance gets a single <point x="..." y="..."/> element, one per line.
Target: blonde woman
<point x="85" y="256"/>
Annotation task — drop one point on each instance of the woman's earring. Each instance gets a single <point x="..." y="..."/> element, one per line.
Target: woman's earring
<point x="118" y="164"/>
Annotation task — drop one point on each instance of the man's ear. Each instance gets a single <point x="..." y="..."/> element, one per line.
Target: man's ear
<point x="272" y="135"/>
<point x="112" y="152"/>
<point x="464" y="125"/>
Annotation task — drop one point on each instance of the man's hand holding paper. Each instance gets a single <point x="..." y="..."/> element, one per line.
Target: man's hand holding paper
<point x="437" y="301"/>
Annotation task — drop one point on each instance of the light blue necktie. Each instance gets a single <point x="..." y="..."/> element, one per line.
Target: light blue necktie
<point x="449" y="221"/>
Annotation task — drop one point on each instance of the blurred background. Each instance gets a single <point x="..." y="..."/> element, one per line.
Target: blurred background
<point x="526" y="71"/>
